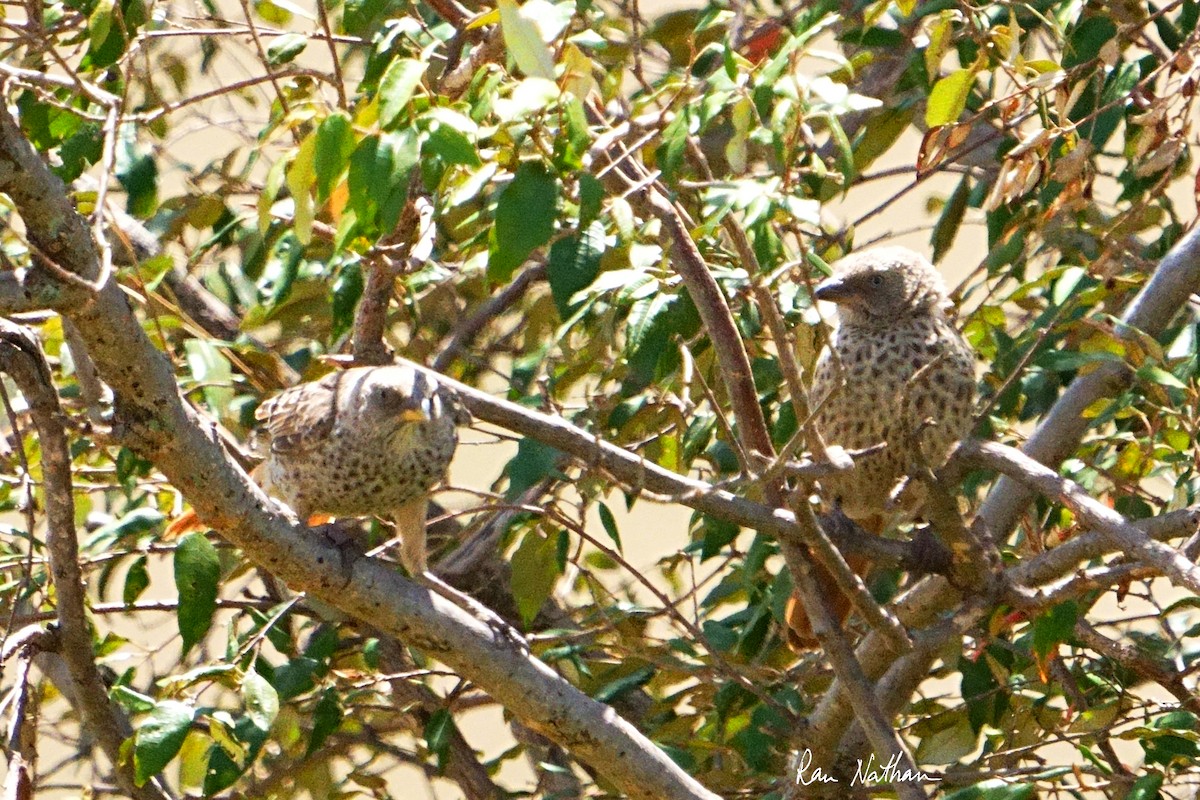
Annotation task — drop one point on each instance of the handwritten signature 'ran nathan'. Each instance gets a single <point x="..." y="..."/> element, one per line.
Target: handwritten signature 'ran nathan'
<point x="867" y="773"/>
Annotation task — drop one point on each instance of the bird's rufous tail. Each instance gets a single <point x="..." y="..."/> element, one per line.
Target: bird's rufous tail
<point x="800" y="636"/>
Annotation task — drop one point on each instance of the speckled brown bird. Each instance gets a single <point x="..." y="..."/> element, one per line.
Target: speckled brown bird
<point x="362" y="442"/>
<point x="896" y="372"/>
<point x="368" y="441"/>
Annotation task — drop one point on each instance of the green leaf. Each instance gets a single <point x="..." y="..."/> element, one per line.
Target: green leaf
<point x="159" y="738"/>
<point x="995" y="789"/>
<point x="985" y="698"/>
<point x="953" y="740"/>
<point x="591" y="197"/>
<point x="1054" y="627"/>
<point x="301" y="177"/>
<point x="396" y="89"/>
<point x="950" y="219"/>
<point x="1085" y="41"/>
<point x="238" y="744"/>
<point x="1165" y="748"/>
<point x="197" y="573"/>
<point x="610" y="525"/>
<point x="716" y="533"/>
<point x="129" y="526"/>
<point x="295" y="677"/>
<point x="335" y="143"/>
<point x="1146" y="787"/>
<point x="451" y="142"/>
<point x="437" y="732"/>
<point x="378" y="178"/>
<point x="948" y="98"/>
<point x="669" y="155"/>
<point x="131" y="701"/>
<point x="327" y="716"/>
<point x="1155" y="374"/>
<point x="100" y="23"/>
<point x="1178" y="720"/>
<point x="212" y="370"/>
<point x="625" y="684"/>
<point x="137" y="578"/>
<point x="138" y="174"/>
<point x="81" y="150"/>
<point x="845" y="154"/>
<point x="1066" y="283"/>
<point x="534" y="573"/>
<point x="347" y="289"/>
<point x="275" y="13"/>
<point x="524" y="219"/>
<point x="359" y="15"/>
<point x="262" y="701"/>
<point x="573" y="264"/>
<point x="719" y="635"/>
<point x="524" y="41"/>
<point x="882" y="131"/>
<point x="532" y="462"/>
<point x="285" y="48"/>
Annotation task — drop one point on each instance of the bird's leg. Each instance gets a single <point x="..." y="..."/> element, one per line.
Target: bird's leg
<point x="410" y="523"/>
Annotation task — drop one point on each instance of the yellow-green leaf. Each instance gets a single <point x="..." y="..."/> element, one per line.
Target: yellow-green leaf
<point x="100" y="23"/>
<point x="397" y="87"/>
<point x="524" y="41"/>
<point x="949" y="97"/>
<point x="301" y="178"/>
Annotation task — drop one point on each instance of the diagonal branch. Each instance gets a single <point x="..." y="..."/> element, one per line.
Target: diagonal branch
<point x="1060" y="431"/>
<point x="1115" y="529"/>
<point x="21" y="358"/>
<point x="152" y="419"/>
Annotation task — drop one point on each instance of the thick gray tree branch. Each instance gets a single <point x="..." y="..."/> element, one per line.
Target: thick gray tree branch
<point x="21" y="358"/>
<point x="1060" y="431"/>
<point x="1055" y="439"/>
<point x="1118" y="532"/>
<point x="152" y="418"/>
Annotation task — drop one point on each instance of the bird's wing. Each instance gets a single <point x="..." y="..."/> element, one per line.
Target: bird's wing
<point x="300" y="417"/>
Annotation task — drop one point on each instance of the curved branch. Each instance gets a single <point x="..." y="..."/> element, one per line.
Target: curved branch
<point x="1116" y="531"/>
<point x="152" y="419"/>
<point x="21" y="358"/>
<point x="1060" y="431"/>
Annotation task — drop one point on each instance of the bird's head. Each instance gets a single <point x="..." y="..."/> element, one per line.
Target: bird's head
<point x="880" y="285"/>
<point x="404" y="395"/>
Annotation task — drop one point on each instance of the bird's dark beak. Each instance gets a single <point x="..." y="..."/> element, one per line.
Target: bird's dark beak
<point x="834" y="290"/>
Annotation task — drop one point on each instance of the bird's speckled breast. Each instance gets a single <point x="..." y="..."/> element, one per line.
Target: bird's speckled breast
<point x="881" y="402"/>
<point x="359" y="471"/>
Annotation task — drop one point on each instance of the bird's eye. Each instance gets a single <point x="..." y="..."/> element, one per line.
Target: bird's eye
<point x="877" y="280"/>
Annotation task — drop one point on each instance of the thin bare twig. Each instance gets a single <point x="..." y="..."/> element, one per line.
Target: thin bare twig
<point x="466" y="331"/>
<point x="21" y="742"/>
<point x="1143" y="664"/>
<point x="339" y="81"/>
